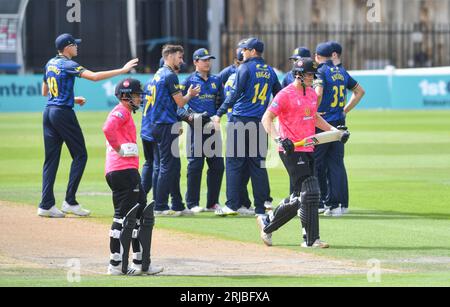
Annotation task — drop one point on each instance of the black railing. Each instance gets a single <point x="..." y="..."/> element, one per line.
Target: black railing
<point x="367" y="46"/>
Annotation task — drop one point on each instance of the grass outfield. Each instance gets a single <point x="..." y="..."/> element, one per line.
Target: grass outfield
<point x="398" y="165"/>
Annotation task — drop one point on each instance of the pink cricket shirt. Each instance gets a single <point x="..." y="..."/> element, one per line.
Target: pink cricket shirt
<point x="296" y="114"/>
<point x="119" y="128"/>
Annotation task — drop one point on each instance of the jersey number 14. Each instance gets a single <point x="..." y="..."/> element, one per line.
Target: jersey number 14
<point x="261" y="96"/>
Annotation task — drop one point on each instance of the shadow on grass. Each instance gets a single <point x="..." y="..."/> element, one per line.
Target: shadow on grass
<point x="369" y="248"/>
<point x="372" y="248"/>
<point x="394" y="215"/>
<point x="353" y="215"/>
<point x="194" y="217"/>
<point x="392" y="248"/>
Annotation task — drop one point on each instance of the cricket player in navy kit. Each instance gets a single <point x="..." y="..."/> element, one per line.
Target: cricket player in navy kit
<point x="61" y="124"/>
<point x="160" y="124"/>
<point x="198" y="112"/>
<point x="331" y="88"/>
<point x="150" y="169"/>
<point x="300" y="52"/>
<point x="254" y="85"/>
<point x="225" y="74"/>
<point x="244" y="200"/>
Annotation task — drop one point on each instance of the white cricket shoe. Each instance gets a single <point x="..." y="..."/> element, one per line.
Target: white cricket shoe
<point x="336" y="212"/>
<point x="152" y="270"/>
<point x="265" y="237"/>
<point x="116" y="270"/>
<point x="213" y="208"/>
<point x="251" y="210"/>
<point x="268" y="205"/>
<point x="185" y="212"/>
<point x="77" y="209"/>
<point x="164" y="213"/>
<point x="245" y="211"/>
<point x="322" y="210"/>
<point x="225" y="211"/>
<point x="197" y="209"/>
<point x="52" y="212"/>
<point x="316" y="244"/>
<point x="344" y="210"/>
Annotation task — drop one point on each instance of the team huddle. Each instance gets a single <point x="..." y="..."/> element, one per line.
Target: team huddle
<point x="311" y="99"/>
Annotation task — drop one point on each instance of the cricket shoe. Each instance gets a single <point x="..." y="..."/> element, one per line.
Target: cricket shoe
<point x="268" y="205"/>
<point x="316" y="244"/>
<point x="116" y="270"/>
<point x="152" y="270"/>
<point x="245" y="211"/>
<point x="225" y="211"/>
<point x="265" y="237"/>
<point x="76" y="209"/>
<point x="185" y="212"/>
<point x="164" y="212"/>
<point x="335" y="212"/>
<point x="197" y="209"/>
<point x="323" y="209"/>
<point x="52" y="212"/>
<point x="214" y="208"/>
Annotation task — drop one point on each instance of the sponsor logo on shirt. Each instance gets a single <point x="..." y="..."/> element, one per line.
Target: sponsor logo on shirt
<point x="307" y="114"/>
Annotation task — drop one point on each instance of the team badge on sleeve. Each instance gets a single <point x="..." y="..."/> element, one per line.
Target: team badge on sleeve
<point x="118" y="114"/>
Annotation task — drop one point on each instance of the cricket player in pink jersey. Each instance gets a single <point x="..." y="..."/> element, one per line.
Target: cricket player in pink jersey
<point x="133" y="218"/>
<point x="296" y="109"/>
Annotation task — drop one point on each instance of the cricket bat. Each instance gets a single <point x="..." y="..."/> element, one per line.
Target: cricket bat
<point x="320" y="138"/>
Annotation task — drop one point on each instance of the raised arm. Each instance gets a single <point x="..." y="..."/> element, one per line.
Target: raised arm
<point x="102" y="75"/>
<point x="181" y="100"/>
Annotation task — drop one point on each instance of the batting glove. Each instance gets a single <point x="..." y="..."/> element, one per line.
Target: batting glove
<point x="286" y="144"/>
<point x="345" y="135"/>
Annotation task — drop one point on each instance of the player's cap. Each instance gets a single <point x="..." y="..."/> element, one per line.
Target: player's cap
<point x="128" y="86"/>
<point x="202" y="54"/>
<point x="253" y="43"/>
<point x="65" y="40"/>
<point x="304" y="65"/>
<point x="241" y="42"/>
<point x="300" y="52"/>
<point x="324" y="49"/>
<point x="335" y="47"/>
<point x="240" y="54"/>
